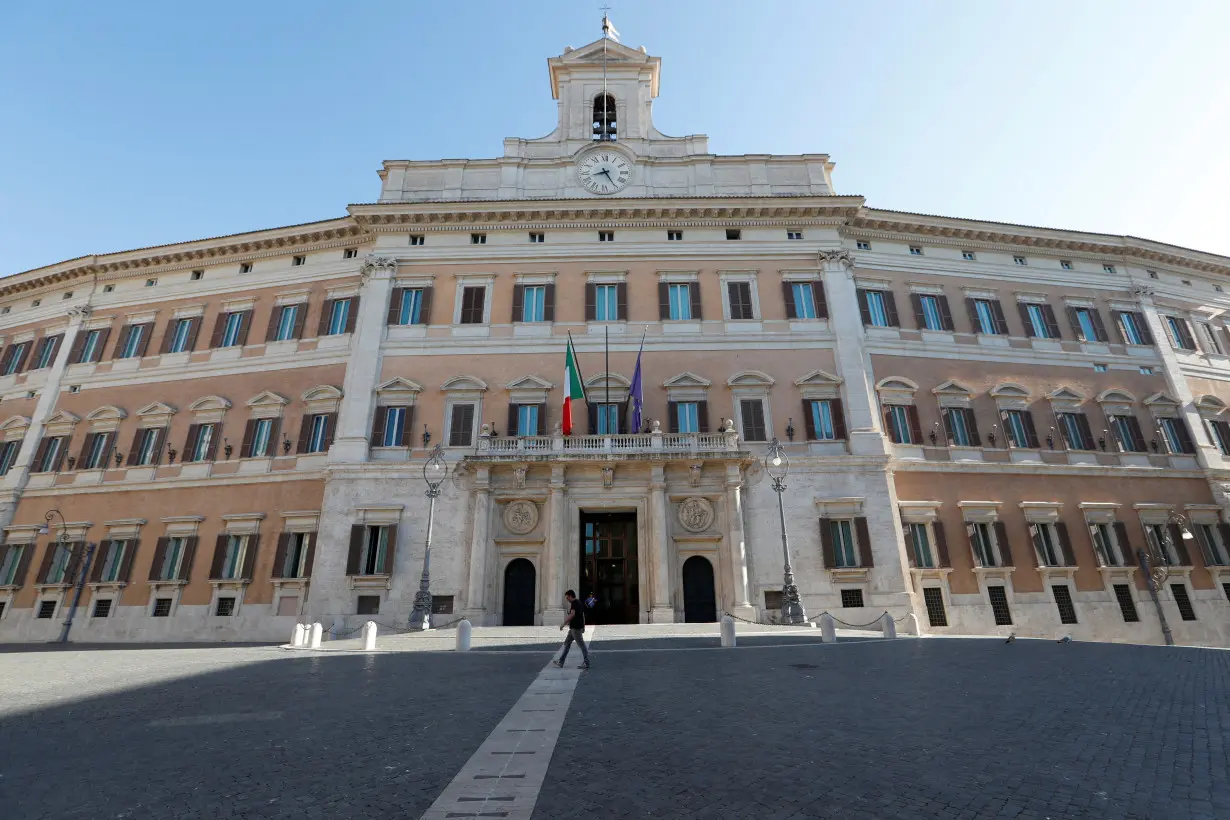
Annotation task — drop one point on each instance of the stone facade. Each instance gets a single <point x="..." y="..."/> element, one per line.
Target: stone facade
<point x="985" y="423"/>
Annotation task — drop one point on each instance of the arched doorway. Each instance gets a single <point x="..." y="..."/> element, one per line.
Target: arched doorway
<point x="699" y="596"/>
<point x="519" y="577"/>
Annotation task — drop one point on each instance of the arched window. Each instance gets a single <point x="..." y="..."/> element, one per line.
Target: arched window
<point x="604" y="118"/>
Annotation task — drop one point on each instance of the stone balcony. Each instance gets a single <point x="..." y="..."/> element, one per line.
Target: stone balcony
<point x="634" y="446"/>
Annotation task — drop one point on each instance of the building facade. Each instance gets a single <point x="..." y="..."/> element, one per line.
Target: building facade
<point x="985" y="423"/>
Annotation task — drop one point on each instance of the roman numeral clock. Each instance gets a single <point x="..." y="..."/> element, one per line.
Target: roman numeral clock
<point x="604" y="172"/>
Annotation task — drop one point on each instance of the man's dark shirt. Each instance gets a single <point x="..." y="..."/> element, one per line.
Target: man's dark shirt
<point x="577" y="617"/>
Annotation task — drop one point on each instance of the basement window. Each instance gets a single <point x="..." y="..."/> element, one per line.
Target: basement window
<point x="1063" y="600"/>
<point x="198" y="275"/>
<point x="478" y="239"/>
<point x="1186" y="612"/>
<point x="1123" y="594"/>
<point x="417" y="239"/>
<point x="369" y="605"/>
<point x="933" y="597"/>
<point x="999" y="606"/>
<point x="350" y="253"/>
<point x="852" y="598"/>
<point x="246" y="267"/>
<point x="102" y="608"/>
<point x="295" y="261"/>
<point x="226" y="606"/>
<point x="734" y="233"/>
<point x="162" y="607"/>
<point x="47" y="609"/>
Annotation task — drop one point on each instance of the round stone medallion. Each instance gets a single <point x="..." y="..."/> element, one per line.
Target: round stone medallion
<point x="520" y="517"/>
<point x="695" y="514"/>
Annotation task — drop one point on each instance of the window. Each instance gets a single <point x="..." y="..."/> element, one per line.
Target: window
<point x="318" y="434"/>
<point x="285" y="328"/>
<point x="915" y="250"/>
<point x="527" y="420"/>
<point x="878" y="308"/>
<point x="1219" y="429"/>
<point x="1046" y="542"/>
<point x="52" y="453"/>
<point x="794" y="234"/>
<point x="1019" y="427"/>
<point x="478" y="239"/>
<point x="162" y="607"/>
<point x="987" y="317"/>
<point x="862" y="246"/>
<point x="375" y="550"/>
<point x="1146" y="371"/>
<point x="920" y="543"/>
<point x="983" y="543"/>
<point x="1104" y="545"/>
<point x="968" y="256"/>
<point x="97" y="449"/>
<point x="1218" y="288"/>
<point x="1087" y="324"/>
<point x="225" y="607"/>
<point x="933" y="597"/>
<point x="999" y="606"/>
<point x="410" y="308"/>
<point x="674" y="236"/>
<point x="533" y="303"/>
<point x="1132" y="327"/>
<point x="1020" y="260"/>
<point x="69" y="294"/>
<point x="752" y="415"/>
<point x="102" y="608"/>
<point x="339" y="318"/>
<point x="929" y="313"/>
<point x="801" y="300"/>
<point x="1108" y="268"/>
<point x="201" y="447"/>
<point x="605" y="119"/>
<point x="172" y="556"/>
<point x="131" y="346"/>
<point x="606" y="236"/>
<point x="687" y="417"/>
<point x="1175" y="433"/>
<point x="11" y="563"/>
<point x="537" y="238"/>
<point x="1208" y="337"/>
<point x="740" y="296"/>
<point x="1180" y="334"/>
<point x="680" y="301"/>
<point x="350" y="253"/>
<point x="112" y="561"/>
<point x="1156" y="534"/>
<point x="106" y="289"/>
<point x="47" y="609"/>
<point x="961" y="428"/>
<point x="734" y="233"/>
<point x="441" y="604"/>
<point x="1063" y="600"/>
<point x="232" y="325"/>
<point x="825" y="421"/>
<point x="395" y="419"/>
<point x="149" y="283"/>
<point x="606" y="419"/>
<point x="1181" y="599"/>
<point x="296" y="261"/>
<point x="1214" y="549"/>
<point x="1039" y="320"/>
<point x="461" y="426"/>
<point x="8" y="454"/>
<point x="180" y="336"/>
<point x="1099" y="367"/>
<point x="46" y="352"/>
<point x="57" y="570"/>
<point x="74" y="388"/>
<point x="473" y="303"/>
<point x="246" y="267"/>
<point x="606" y="303"/>
<point x="233" y="557"/>
<point x="15" y="357"/>
<point x="844" y="554"/>
<point x="1127" y="604"/>
<point x="91" y="347"/>
<point x="852" y="598"/>
<point x="368" y="605"/>
<point x="298" y="545"/>
<point x="901" y="424"/>
<point x="262" y="433"/>
<point x="1075" y="430"/>
<point x="1187" y="282"/>
<point x="417" y="239"/>
<point x="147" y="447"/>
<point x="1066" y="264"/>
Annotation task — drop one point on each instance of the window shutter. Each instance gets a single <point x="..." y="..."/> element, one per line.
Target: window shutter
<point x="945" y="313"/>
<point x="134" y="449"/>
<point x="311" y="555"/>
<point x="305" y="432"/>
<point x="1052" y="326"/>
<point x="23" y="356"/>
<point x="542" y="420"/>
<point x="130" y="550"/>
<point x="1185" y="334"/>
<point x="809" y="423"/>
<point x="864" y="542"/>
<point x="1176" y="536"/>
<point x="300" y="320"/>
<point x="407" y="427"/>
<point x="271" y="330"/>
<point x="518" y="302"/>
<point x="1224" y="530"/>
<point x="158" y="444"/>
<point x="1099" y="329"/>
<point x="245" y="449"/>
<point x="245" y="323"/>
<point x="391" y="553"/>
<point x="548" y="303"/>
<point x="907" y="534"/>
<point x="49" y="551"/>
<point x="185" y="564"/>
<point x="1125" y="546"/>
<point x="249" y="557"/>
<point x="1116" y="318"/>
<point x="971" y="307"/>
<point x="85" y="449"/>
<point x="890" y="429"/>
<point x="592" y="417"/>
<point x="1025" y="320"/>
<point x="461" y="433"/>
<point x="621" y="419"/>
<point x="1001" y="539"/>
<point x="213" y="442"/>
<point x="147" y="330"/>
<point x="694" y="295"/>
<point x="219" y="326"/>
<point x="621" y="301"/>
<point x="160" y="554"/>
<point x="1001" y="321"/>
<point x="788" y="298"/>
<point x="822" y="305"/>
<point x="1082" y="424"/>
<point x="330" y="429"/>
<point x="826" y="543"/>
<point x="357" y="533"/>
<point x="108" y="447"/>
<point x="425" y="307"/>
<point x="279" y="555"/>
<point x="194" y="329"/>
<point x="394" y="315"/>
<point x="1185" y="437"/>
<point x="702" y="416"/>
<point x="1035" y="539"/>
<point x="1146" y="335"/>
<point x="972" y="423"/>
<point x="7" y="358"/>
<point x="378" y="422"/>
<point x="123" y="342"/>
<point x="1074" y="321"/>
<point x="215" y="566"/>
<point x="1031" y="432"/>
<point x="326" y="312"/>
<point x="890" y="308"/>
<point x="352" y="314"/>
<point x="672" y="417"/>
<point x="1065" y="544"/>
<point x="838" y="411"/>
<point x="920" y="318"/>
<point x="74" y="353"/>
<point x="512" y="419"/>
<point x="664" y="300"/>
<point x="1138" y="436"/>
<point x="941" y="543"/>
<point x="863" y="308"/>
<point x="911" y="413"/>
<point x="591" y="301"/>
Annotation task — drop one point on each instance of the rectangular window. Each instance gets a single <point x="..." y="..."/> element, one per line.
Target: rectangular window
<point x="15" y="357"/>
<point x="417" y="239"/>
<point x="680" y="301"/>
<point x="203" y="446"/>
<point x="53" y="450"/>
<point x="57" y="570"/>
<point x="674" y="236"/>
<point x="933" y="597"/>
<point x="1127" y="604"/>
<point x="899" y="427"/>
<point x="1019" y="426"/>
<point x="533" y="303"/>
<point x="740" y="295"/>
<point x="753" y="418"/>
<point x="844" y="553"/>
<point x="920" y="541"/>
<point x="132" y="342"/>
<point x="286" y="323"/>
<point x="959" y="422"/>
<point x="262" y="430"/>
<point x="985" y="313"/>
<point x="296" y="261"/>
<point x="295" y="563"/>
<point x="1104" y="545"/>
<point x="478" y="239"/>
<point x="606" y="303"/>
<point x="368" y="605"/>
<point x="527" y="419"/>
<point x="162" y="607"/>
<point x="687" y="418"/>
<point x="1175" y="433"/>
<point x="1038" y="321"/>
<point x="375" y="550"/>
<point x="8" y="454"/>
<point x="89" y="347"/>
<point x="537" y="238"/>
<point x="851" y="598"/>
<point x="607" y="416"/>
<point x="461" y="426"/>
<point x="226" y="607"/>
<point x="339" y="317"/>
<point x="1066" y="264"/>
<point x="244" y="267"/>
<point x="734" y="233"/>
<point x="1019" y="260"/>
<point x="1108" y="268"/>
<point x="1063" y="600"/>
<point x="350" y="253"/>
<point x="822" y="426"/>
<point x="1214" y="549"/>
<point x="410" y="311"/>
<point x="804" y="300"/>
<point x="230" y="330"/>
<point x="862" y="246"/>
<point x="981" y="540"/>
<point x="319" y="434"/>
<point x="394" y="427"/>
<point x="1156" y="534"/>
<point x="180" y="336"/>
<point x="1180" y="335"/>
<point x="47" y="609"/>
<point x="1100" y="368"/>
<point x="606" y="236"/>
<point x="1075" y="429"/>
<point x="45" y="353"/>
<point x="1047" y="544"/>
<point x="113" y="561"/>
<point x="12" y="560"/>
<point x="1130" y="324"/>
<point x="102" y="608"/>
<point x="876" y="311"/>
<point x="968" y="256"/>
<point x="999" y="606"/>
<point x="147" y="447"/>
<point x="1087" y="325"/>
<point x="96" y="452"/>
<point x="932" y="317"/>
<point x="1127" y="434"/>
<point x="473" y="302"/>
<point x="1211" y="345"/>
<point x="232" y="561"/>
<point x="915" y="250"/>
<point x="794" y="234"/>
<point x="1181" y="599"/>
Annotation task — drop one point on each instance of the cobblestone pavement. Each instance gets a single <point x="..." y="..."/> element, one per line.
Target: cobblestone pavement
<point x="906" y="729"/>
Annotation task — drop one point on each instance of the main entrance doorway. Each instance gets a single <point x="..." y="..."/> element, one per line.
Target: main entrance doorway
<point x="608" y="568"/>
<point x="699" y="598"/>
<point x="519" y="593"/>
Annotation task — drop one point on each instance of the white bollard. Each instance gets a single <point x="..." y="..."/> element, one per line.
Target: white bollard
<point x="912" y="626"/>
<point x="463" y="636"/>
<point x="890" y="628"/>
<point x="317" y="632"/>
<point x="828" y="629"/>
<point x="297" y="637"/>
<point x="728" y="631"/>
<point x="369" y="636"/>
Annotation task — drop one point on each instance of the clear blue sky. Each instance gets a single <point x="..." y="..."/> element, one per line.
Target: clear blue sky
<point x="130" y="124"/>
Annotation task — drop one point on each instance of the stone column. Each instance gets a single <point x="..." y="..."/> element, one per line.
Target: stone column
<point x="554" y="563"/>
<point x="742" y="607"/>
<point x="480" y="546"/>
<point x="365" y="362"/>
<point x="853" y="360"/>
<point x="661" y="611"/>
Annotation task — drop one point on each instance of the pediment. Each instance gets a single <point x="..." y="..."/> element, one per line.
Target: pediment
<point x="817" y="378"/>
<point x="1065" y="394"/>
<point x="210" y="403"/>
<point x="615" y="51"/>
<point x="1163" y="399"/>
<point x="750" y="378"/>
<point x="1117" y="396"/>
<point x="400" y="385"/>
<point x="107" y="412"/>
<point x="157" y="408"/>
<point x="603" y="379"/>
<point x="323" y="392"/>
<point x="953" y="388"/>
<point x="464" y="383"/>
<point x="15" y="423"/>
<point x="687" y="379"/>
<point x="266" y="398"/>
<point x="1010" y="390"/>
<point x="530" y="382"/>
<point x="1210" y="402"/>
<point x="62" y="417"/>
<point x="896" y="383"/>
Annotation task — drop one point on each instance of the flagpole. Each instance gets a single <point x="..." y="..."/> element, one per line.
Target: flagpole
<point x="577" y="361"/>
<point x="607" y="367"/>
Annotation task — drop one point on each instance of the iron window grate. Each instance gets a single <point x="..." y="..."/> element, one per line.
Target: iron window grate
<point x="102" y="608"/>
<point x="47" y="609"/>
<point x="1185" y="603"/>
<point x="773" y="599"/>
<point x="852" y="598"/>
<point x="226" y="606"/>
<point x="1128" y="606"/>
<point x="999" y="606"/>
<point x="1063" y="600"/>
<point x="441" y="604"/>
<point x="934" y="598"/>
<point x="1225" y="587"/>
<point x="369" y="605"/>
<point x="162" y="607"/>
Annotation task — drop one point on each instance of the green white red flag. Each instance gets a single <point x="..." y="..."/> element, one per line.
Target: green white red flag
<point x="574" y="389"/>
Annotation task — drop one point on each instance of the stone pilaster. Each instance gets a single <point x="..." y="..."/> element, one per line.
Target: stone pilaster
<point x="661" y="611"/>
<point x="477" y="609"/>
<point x="741" y="607"/>
<point x="554" y="565"/>
<point x="853" y="360"/>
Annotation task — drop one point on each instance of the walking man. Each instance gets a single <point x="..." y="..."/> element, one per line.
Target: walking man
<point x="575" y="621"/>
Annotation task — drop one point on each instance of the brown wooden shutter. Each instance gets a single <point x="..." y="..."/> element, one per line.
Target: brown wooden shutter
<point x="1074" y="321"/>
<point x="907" y="534"/>
<point x="249" y="557"/>
<point x="310" y="540"/>
<point x="512" y="420"/>
<point x="1082" y="424"/>
<point x="168" y="335"/>
<point x="518" y="303"/>
<point x="185" y="564"/>
<point x="245" y="449"/>
<point x="7" y="358"/>
<point x="863" y="308"/>
<point x="1137" y="445"/>
<point x="425" y="307"/>
<point x="809" y="424"/>
<point x="147" y="330"/>
<point x="1125" y="545"/>
<point x="275" y="319"/>
<point x="123" y="342"/>
<point x="542" y="419"/>
<point x="74" y="353"/>
<point x="621" y="301"/>
<point x="213" y="442"/>
<point x="1186" y="445"/>
<point x="160" y="555"/>
<point x="23" y="356"/>
<point x="23" y="564"/>
<point x="245" y="323"/>
<point x="85" y="449"/>
<point x="941" y="543"/>
<point x="49" y="551"/>
<point x="279" y="555"/>
<point x="920" y="317"/>
<point x="1001" y="321"/>
<point x="694" y="295"/>
<point x="305" y="432"/>
<point x="788" y="298"/>
<point x="1146" y="335"/>
<point x="971" y="307"/>
<point x="864" y="542"/>
<point x="330" y="430"/>
<point x="945" y="313"/>
<point x="826" y="543"/>
<point x="1065" y="544"/>
<point x="357" y="533"/>
<point x="1116" y="318"/>
<point x="672" y="417"/>
<point x="1001" y="538"/>
<point x="131" y="548"/>
<point x="352" y="313"/>
<point x="702" y="416"/>
<point x="591" y="411"/>
<point x="378" y="423"/>
<point x="391" y="552"/>
<point x="1176" y="536"/>
<point x="591" y="302"/>
<point x="838" y="412"/>
<point x="1098" y="327"/>
<point x="548" y="303"/>
<point x="822" y="305"/>
<point x="664" y="300"/>
<point x="326" y="312"/>
<point x="1025" y="320"/>
<point x="215" y="566"/>
<point x="134" y="449"/>
<point x="890" y="309"/>
<point x="1035" y="540"/>
<point x="194" y="330"/>
<point x="1052" y="326"/>
<point x="394" y="314"/>
<point x="215" y="341"/>
<point x="911" y="413"/>
<point x="1031" y="432"/>
<point x="159" y="443"/>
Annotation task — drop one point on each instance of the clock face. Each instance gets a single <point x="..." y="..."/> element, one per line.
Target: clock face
<point x="604" y="172"/>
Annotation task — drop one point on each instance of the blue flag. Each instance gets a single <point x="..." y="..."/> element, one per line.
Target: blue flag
<point x="636" y="393"/>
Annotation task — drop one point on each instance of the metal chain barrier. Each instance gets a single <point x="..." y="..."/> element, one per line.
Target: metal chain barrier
<point x="398" y="630"/>
<point x="816" y="618"/>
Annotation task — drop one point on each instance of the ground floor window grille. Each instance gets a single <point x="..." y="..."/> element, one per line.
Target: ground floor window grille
<point x="441" y="604"/>
<point x="852" y="598"/>
<point x="1225" y="588"/>
<point x="47" y="609"/>
<point x="1185" y="603"/>
<point x="772" y="599"/>
<point x="162" y="607"/>
<point x="1063" y="600"/>
<point x="369" y="605"/>
<point x="226" y="606"/>
<point x="102" y="608"/>
<point x="1123" y="594"/>
<point x="2" y="603"/>
<point x="999" y="606"/>
<point x="934" y="598"/>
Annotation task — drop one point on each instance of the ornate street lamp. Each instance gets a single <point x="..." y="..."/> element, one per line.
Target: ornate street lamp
<point x="85" y="567"/>
<point x="1154" y="563"/>
<point x="777" y="465"/>
<point x="434" y="472"/>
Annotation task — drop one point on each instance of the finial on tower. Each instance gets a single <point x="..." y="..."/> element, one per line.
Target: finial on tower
<point x="608" y="28"/>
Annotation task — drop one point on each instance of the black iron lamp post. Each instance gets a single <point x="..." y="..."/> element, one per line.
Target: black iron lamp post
<point x="777" y="465"/>
<point x="434" y="471"/>
<point x="1154" y="564"/>
<point x="85" y="568"/>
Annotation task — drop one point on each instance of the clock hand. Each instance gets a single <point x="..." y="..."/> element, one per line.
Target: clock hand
<point x="607" y="171"/>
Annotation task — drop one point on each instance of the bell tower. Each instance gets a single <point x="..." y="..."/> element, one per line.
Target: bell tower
<point x="627" y="77"/>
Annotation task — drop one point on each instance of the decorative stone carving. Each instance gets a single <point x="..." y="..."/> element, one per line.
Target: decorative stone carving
<point x="79" y="310"/>
<point x="728" y="426"/>
<point x="695" y="514"/>
<point x="608" y="477"/>
<point x="373" y="264"/>
<point x="840" y="256"/>
<point x="694" y="474"/>
<point x="655" y="427"/>
<point x="519" y="473"/>
<point x="521" y="517"/>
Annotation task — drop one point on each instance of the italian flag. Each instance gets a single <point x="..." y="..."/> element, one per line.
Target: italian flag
<point x="574" y="390"/>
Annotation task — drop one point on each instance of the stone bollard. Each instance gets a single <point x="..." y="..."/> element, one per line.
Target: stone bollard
<point x="463" y="636"/>
<point x="890" y="628"/>
<point x="317" y="633"/>
<point x="728" y="631"/>
<point x="369" y="636"/>
<point x="297" y="638"/>
<point x="828" y="629"/>
<point x="912" y="626"/>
